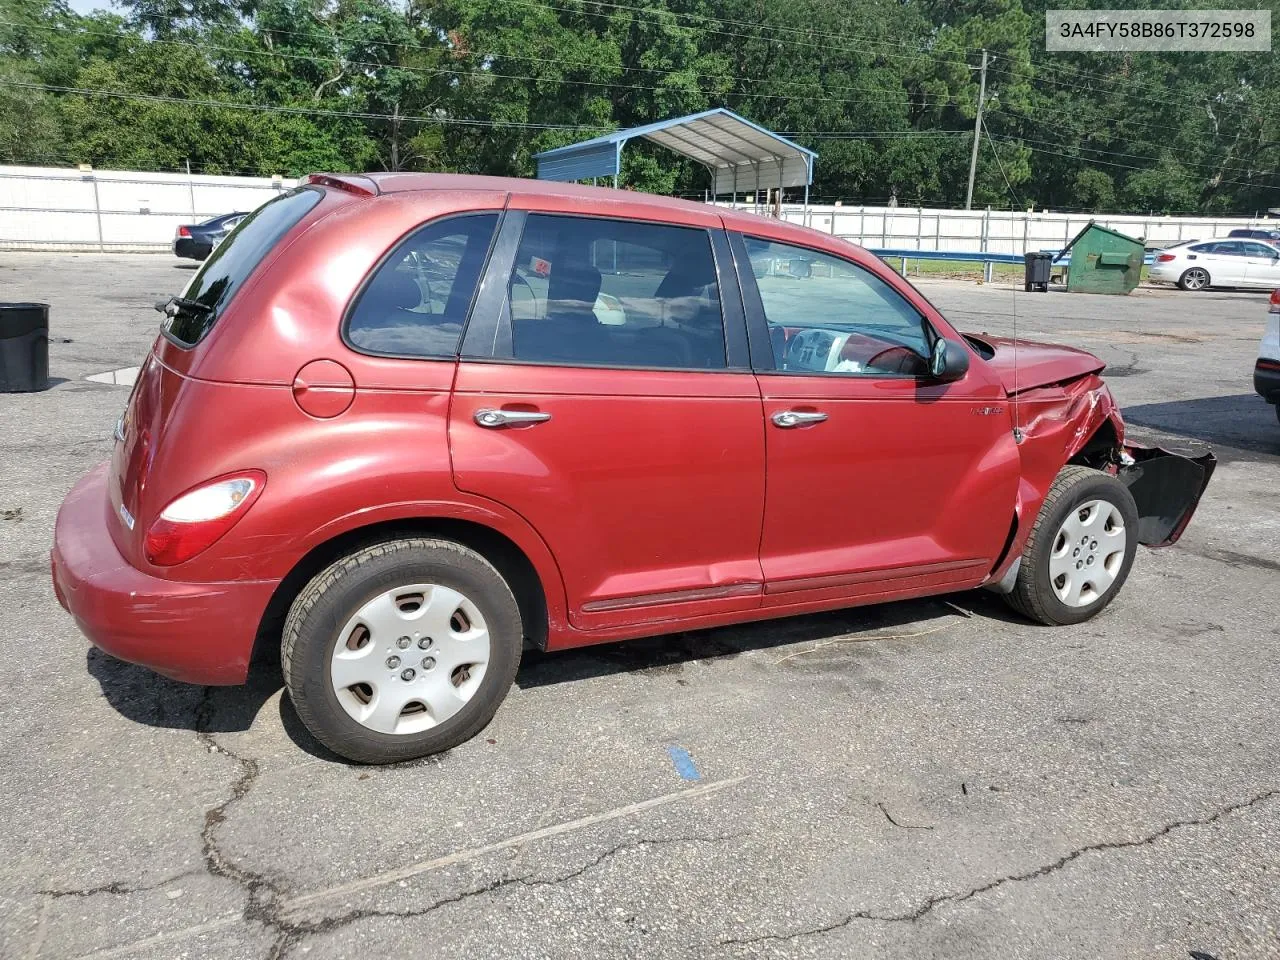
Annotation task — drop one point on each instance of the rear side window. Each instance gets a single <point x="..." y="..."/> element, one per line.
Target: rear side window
<point x="418" y="298"/>
<point x="619" y="293"/>
<point x="232" y="262"/>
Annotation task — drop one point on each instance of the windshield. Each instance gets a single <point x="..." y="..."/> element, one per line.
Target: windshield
<point x="231" y="263"/>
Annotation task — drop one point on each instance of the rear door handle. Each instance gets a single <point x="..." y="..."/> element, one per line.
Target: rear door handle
<point x="507" y="418"/>
<point x="797" y="418"/>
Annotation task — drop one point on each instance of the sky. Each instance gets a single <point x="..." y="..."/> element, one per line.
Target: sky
<point x="88" y="6"/>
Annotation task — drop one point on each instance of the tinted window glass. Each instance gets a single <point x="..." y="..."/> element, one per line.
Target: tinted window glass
<point x="827" y="315"/>
<point x="1260" y="250"/>
<point x="233" y="260"/>
<point x="418" y="299"/>
<point x="589" y="291"/>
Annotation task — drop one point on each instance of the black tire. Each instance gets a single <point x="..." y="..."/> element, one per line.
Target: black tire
<point x="317" y="616"/>
<point x="1033" y="595"/>
<point x="1190" y="279"/>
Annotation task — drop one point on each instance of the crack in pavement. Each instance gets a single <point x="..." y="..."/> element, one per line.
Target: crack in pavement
<point x="115" y="887"/>
<point x="905" y="826"/>
<point x="931" y="903"/>
<point x="266" y="903"/>
<point x="300" y="929"/>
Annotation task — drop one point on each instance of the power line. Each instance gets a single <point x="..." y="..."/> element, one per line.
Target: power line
<point x="873" y="134"/>
<point x="479" y="73"/>
<point x="301" y="111"/>
<point x="1108" y="163"/>
<point x="991" y="143"/>
<point x="1139" y="156"/>
<point x="624" y="67"/>
<point x="1126" y="90"/>
<point x="742" y="36"/>
<point x="744" y="23"/>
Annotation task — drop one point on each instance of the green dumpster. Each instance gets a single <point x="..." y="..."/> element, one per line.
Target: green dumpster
<point x="1104" y="261"/>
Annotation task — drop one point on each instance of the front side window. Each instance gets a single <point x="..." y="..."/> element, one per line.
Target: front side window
<point x="827" y="315"/>
<point x="588" y="291"/>
<point x="417" y="300"/>
<point x="1260" y="250"/>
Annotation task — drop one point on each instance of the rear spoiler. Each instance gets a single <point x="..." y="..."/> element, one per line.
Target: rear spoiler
<point x="349" y="182"/>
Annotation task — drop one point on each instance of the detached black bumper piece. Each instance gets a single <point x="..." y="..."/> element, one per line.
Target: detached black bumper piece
<point x="1167" y="486"/>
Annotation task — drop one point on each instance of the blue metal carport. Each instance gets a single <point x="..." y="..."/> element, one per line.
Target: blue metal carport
<point x="739" y="155"/>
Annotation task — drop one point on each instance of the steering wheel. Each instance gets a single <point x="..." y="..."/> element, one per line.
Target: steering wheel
<point x="895" y="359"/>
<point x="514" y="277"/>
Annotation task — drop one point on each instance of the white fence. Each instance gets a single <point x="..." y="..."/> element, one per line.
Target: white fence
<point x="55" y="208"/>
<point x="994" y="231"/>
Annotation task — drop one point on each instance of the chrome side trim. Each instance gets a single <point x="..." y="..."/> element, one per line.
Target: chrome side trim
<point x="673" y="596"/>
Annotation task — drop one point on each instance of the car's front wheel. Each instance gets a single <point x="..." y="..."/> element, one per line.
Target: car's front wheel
<point x="401" y="649"/>
<point x="1196" y="278"/>
<point x="1080" y="549"/>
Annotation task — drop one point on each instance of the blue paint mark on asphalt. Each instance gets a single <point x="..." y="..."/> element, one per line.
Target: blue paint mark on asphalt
<point x="684" y="763"/>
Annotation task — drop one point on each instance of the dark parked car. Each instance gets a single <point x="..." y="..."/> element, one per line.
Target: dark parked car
<point x="1270" y="234"/>
<point x="195" y="241"/>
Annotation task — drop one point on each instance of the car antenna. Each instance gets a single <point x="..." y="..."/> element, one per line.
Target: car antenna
<point x="1018" y="434"/>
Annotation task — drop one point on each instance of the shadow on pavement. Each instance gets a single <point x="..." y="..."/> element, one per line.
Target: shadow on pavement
<point x="146" y="697"/>
<point x="1243" y="422"/>
<point x="667" y="652"/>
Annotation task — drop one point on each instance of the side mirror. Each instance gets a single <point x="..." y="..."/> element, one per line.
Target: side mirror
<point x="949" y="360"/>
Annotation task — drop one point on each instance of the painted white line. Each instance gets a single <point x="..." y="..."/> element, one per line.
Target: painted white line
<point x="128" y="949"/>
<point x="423" y="866"/>
<point x="123" y="377"/>
<point x="415" y="869"/>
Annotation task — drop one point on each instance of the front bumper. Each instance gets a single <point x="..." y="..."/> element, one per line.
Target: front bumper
<point x="1266" y="379"/>
<point x="194" y="632"/>
<point x="1167" y="486"/>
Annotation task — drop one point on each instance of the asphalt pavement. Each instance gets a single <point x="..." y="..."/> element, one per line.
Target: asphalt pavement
<point x="927" y="779"/>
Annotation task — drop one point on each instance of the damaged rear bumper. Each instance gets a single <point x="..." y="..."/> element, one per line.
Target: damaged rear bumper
<point x="1167" y="486"/>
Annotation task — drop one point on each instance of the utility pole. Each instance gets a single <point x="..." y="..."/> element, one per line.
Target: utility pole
<point x="977" y="132"/>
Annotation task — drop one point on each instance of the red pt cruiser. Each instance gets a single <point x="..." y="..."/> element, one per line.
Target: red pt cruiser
<point x="399" y="425"/>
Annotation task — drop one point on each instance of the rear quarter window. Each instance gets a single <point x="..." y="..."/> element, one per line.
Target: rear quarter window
<point x="416" y="301"/>
<point x="233" y="261"/>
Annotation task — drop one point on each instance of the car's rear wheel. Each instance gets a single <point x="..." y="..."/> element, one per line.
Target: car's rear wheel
<point x="1195" y="278"/>
<point x="401" y="649"/>
<point x="1080" y="549"/>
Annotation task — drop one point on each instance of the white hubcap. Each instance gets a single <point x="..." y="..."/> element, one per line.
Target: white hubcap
<point x="410" y="658"/>
<point x="1087" y="554"/>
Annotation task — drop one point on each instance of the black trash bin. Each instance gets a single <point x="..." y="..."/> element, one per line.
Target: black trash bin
<point x="24" y="347"/>
<point x="1036" y="275"/>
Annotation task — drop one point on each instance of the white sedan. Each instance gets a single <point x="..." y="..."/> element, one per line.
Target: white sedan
<point x="1220" y="263"/>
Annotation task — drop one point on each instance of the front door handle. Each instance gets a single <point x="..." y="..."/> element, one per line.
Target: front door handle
<point x="797" y="418"/>
<point x="507" y="418"/>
